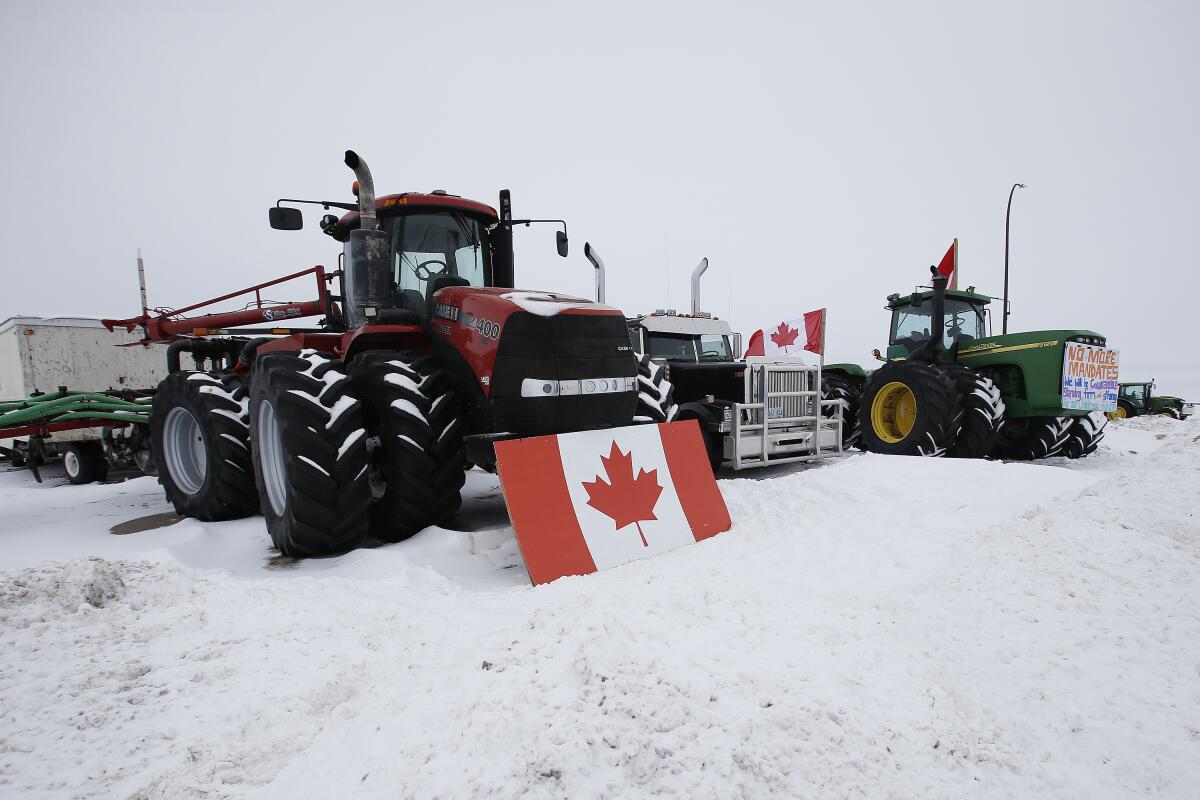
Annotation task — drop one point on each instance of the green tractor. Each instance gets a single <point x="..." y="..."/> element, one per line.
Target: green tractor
<point x="1135" y="399"/>
<point x="964" y="393"/>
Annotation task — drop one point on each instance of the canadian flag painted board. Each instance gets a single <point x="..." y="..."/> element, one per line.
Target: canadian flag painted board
<point x="582" y="502"/>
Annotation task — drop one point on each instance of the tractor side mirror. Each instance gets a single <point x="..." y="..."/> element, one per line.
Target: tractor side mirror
<point x="286" y="219"/>
<point x="328" y="221"/>
<point x="878" y="355"/>
<point x="561" y="239"/>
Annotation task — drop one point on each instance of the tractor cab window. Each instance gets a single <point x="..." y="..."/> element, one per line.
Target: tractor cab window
<point x="1137" y="392"/>
<point x="428" y="246"/>
<point x="963" y="322"/>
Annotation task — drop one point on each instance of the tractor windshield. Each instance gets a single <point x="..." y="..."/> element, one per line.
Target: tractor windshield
<point x="427" y="246"/>
<point x="964" y="322"/>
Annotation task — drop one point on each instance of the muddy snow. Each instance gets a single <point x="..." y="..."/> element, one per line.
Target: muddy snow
<point x="871" y="627"/>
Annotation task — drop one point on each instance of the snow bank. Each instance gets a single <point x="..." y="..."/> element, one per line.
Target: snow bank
<point x="873" y="627"/>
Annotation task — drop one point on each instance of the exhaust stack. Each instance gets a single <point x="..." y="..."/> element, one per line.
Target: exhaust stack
<point x="599" y="265"/>
<point x="366" y="190"/>
<point x="696" y="273"/>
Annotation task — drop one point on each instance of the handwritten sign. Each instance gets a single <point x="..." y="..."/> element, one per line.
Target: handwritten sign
<point x="1089" y="377"/>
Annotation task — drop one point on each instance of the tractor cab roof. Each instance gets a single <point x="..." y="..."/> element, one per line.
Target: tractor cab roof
<point x="394" y="204"/>
<point x="896" y="301"/>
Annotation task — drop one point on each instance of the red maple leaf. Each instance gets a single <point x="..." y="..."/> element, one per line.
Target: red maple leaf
<point x="626" y="499"/>
<point x="784" y="335"/>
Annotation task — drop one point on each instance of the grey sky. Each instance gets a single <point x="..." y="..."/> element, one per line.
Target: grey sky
<point x="818" y="154"/>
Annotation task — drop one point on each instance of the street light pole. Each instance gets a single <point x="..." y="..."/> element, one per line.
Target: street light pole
<point x="1007" y="216"/>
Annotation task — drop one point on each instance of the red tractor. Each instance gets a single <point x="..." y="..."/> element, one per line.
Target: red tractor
<point x="363" y="426"/>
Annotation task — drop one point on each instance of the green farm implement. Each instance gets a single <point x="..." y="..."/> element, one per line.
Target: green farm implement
<point x="123" y="415"/>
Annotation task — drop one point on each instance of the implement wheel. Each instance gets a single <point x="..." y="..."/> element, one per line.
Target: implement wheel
<point x="909" y="408"/>
<point x="84" y="462"/>
<point x="414" y="428"/>
<point x="199" y="439"/>
<point x="310" y="453"/>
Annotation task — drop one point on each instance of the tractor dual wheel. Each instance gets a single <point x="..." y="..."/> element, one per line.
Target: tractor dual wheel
<point x="1032" y="438"/>
<point x="656" y="395"/>
<point x="1084" y="435"/>
<point x="84" y="462"/>
<point x="983" y="413"/>
<point x="199" y="439"/>
<point x="310" y="453"/>
<point x="415" y="428"/>
<point x="909" y="408"/>
<point x="835" y="387"/>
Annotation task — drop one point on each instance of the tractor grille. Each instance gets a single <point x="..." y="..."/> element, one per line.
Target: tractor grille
<point x="564" y="347"/>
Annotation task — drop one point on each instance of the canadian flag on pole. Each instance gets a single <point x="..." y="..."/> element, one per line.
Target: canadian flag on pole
<point x="782" y="339"/>
<point x="582" y="502"/>
<point x="948" y="266"/>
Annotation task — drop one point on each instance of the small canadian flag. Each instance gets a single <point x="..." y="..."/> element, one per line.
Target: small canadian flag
<point x="791" y="337"/>
<point x="582" y="502"/>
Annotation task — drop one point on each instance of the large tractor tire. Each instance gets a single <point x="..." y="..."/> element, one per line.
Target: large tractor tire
<point x="1032" y="438"/>
<point x="84" y="462"/>
<point x="983" y="413"/>
<point x="909" y="408"/>
<point x="835" y="387"/>
<point x="310" y="453"/>
<point x="1084" y="435"/>
<point x="200" y="441"/>
<point x="656" y="395"/>
<point x="414" y="426"/>
<point x="704" y="414"/>
<point x="1124" y="410"/>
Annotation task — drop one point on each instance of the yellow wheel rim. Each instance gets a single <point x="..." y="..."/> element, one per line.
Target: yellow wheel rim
<point x="1119" y="413"/>
<point x="893" y="412"/>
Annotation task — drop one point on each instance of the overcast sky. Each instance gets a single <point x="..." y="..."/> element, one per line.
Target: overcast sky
<point x="817" y="154"/>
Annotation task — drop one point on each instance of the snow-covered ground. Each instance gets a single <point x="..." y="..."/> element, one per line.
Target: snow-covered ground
<point x="873" y="627"/>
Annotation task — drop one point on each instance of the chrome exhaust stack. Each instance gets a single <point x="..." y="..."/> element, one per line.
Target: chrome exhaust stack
<point x="696" y="273"/>
<point x="366" y="190"/>
<point x="599" y="265"/>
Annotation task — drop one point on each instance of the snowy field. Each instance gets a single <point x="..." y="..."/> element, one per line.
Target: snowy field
<point x="873" y="627"/>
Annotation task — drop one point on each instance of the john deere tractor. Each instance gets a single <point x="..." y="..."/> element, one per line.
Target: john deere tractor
<point x="1135" y="399"/>
<point x="949" y="388"/>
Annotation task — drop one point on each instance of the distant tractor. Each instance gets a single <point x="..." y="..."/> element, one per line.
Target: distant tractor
<point x="949" y="388"/>
<point x="1136" y="399"/>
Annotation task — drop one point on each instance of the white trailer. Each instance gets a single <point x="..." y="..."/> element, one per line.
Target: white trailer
<point x="42" y="354"/>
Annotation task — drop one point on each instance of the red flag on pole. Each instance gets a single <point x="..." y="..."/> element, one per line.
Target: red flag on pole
<point x="814" y="328"/>
<point x="948" y="266"/>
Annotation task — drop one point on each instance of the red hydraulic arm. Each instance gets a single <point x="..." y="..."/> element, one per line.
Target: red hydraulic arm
<point x="165" y="325"/>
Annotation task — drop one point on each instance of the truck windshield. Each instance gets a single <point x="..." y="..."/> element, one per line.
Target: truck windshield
<point x="672" y="347"/>
<point x="964" y="322"/>
<point x="428" y="245"/>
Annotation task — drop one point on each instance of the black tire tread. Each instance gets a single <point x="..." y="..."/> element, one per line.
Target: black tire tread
<point x="324" y="442"/>
<point x="982" y="413"/>
<point x="939" y="410"/>
<point x="656" y="394"/>
<point x="425" y="470"/>
<point x="1084" y="435"/>
<point x="835" y="387"/>
<point x="218" y="402"/>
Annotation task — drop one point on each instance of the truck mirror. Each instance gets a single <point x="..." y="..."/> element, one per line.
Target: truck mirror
<point x="561" y="238"/>
<point x="286" y="219"/>
<point x="737" y="345"/>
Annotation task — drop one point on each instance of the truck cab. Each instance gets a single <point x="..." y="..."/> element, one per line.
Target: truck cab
<point x="699" y="351"/>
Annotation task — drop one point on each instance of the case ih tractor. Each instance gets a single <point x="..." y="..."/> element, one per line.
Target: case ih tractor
<point x="948" y="388"/>
<point x="1135" y="399"/>
<point x="363" y="426"/>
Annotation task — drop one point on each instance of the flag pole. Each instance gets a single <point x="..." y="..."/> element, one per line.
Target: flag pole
<point x="954" y="275"/>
